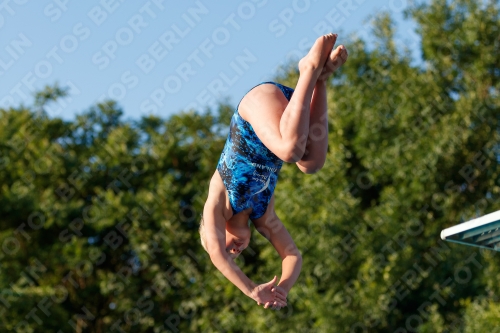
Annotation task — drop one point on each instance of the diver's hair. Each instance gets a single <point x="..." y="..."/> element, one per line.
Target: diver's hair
<point x="203" y="236"/>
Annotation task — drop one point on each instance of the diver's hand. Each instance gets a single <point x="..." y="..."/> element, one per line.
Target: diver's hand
<point x="280" y="301"/>
<point x="265" y="294"/>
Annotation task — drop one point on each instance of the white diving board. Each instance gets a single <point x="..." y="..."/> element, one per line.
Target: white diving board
<point x="482" y="232"/>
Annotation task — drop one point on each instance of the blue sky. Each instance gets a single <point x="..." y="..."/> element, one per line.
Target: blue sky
<point x="160" y="57"/>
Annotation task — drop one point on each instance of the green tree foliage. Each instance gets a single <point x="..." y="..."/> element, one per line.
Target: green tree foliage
<point x="99" y="216"/>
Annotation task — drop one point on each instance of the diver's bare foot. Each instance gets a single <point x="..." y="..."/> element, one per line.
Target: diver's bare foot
<point x="337" y="58"/>
<point x="317" y="55"/>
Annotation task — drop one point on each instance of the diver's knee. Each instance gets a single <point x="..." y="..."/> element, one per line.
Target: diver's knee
<point x="310" y="169"/>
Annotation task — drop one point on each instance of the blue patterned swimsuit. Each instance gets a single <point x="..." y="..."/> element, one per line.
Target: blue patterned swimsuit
<point x="249" y="170"/>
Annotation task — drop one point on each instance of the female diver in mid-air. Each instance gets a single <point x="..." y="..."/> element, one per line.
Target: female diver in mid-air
<point x="273" y="123"/>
